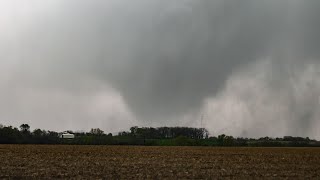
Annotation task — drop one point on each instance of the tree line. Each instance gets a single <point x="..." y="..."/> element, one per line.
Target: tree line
<point x="148" y="136"/>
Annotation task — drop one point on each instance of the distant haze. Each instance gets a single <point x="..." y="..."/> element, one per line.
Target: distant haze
<point x="250" y="68"/>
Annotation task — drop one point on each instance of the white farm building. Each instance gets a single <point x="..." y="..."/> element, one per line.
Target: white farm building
<point x="66" y="135"/>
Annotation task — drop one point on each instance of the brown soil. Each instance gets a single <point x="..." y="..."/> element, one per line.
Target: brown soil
<point x="133" y="162"/>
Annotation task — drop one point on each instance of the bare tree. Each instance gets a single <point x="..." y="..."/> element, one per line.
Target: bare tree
<point x="25" y="128"/>
<point x="96" y="131"/>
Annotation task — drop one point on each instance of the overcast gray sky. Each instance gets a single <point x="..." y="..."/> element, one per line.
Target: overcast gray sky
<point x="251" y="68"/>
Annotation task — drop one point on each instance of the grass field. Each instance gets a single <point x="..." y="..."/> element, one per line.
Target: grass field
<point x="126" y="162"/>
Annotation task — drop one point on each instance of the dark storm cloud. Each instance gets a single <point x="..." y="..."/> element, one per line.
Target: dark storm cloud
<point x="163" y="59"/>
<point x="181" y="56"/>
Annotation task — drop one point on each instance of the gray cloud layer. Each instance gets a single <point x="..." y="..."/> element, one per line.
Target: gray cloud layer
<point x="163" y="63"/>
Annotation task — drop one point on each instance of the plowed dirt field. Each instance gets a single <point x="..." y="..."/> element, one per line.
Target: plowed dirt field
<point x="134" y="162"/>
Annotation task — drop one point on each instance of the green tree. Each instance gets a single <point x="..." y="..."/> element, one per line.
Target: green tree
<point x="228" y="141"/>
<point x="38" y="133"/>
<point x="134" y="130"/>
<point x="183" y="141"/>
<point x="221" y="139"/>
